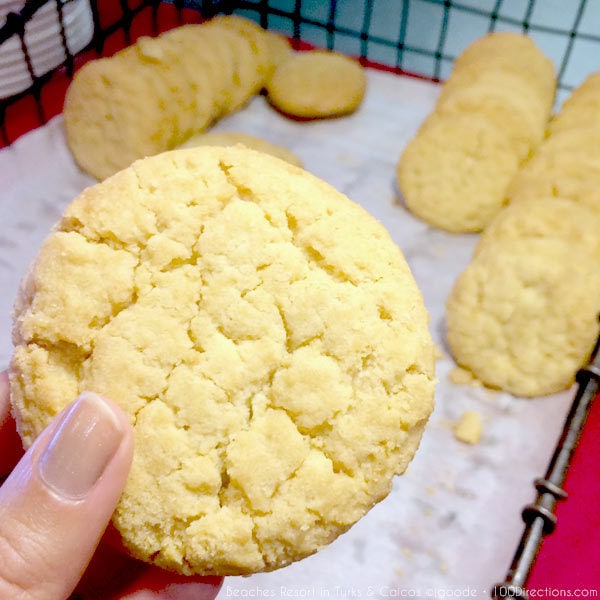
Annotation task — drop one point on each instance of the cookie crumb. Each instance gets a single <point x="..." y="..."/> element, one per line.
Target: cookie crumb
<point x="468" y="429"/>
<point x="438" y="353"/>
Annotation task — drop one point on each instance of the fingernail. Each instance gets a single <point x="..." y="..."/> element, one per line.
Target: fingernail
<point x="81" y="448"/>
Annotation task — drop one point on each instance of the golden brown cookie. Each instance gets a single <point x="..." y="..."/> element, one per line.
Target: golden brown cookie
<point x="231" y="138"/>
<point x="153" y="95"/>
<point x="505" y="97"/>
<point x="454" y="172"/>
<point x="519" y="114"/>
<point x="518" y="81"/>
<point x="511" y="51"/>
<point x="112" y="118"/>
<point x="148" y="58"/>
<point x="523" y="316"/>
<point x="279" y="49"/>
<point x="545" y="218"/>
<point x="264" y="334"/>
<point x="581" y="109"/>
<point x="317" y="84"/>
<point x="567" y="165"/>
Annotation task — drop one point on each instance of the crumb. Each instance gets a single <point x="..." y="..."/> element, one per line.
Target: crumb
<point x="399" y="571"/>
<point x="443" y="567"/>
<point x="468" y="428"/>
<point x="461" y="376"/>
<point x="407" y="554"/>
<point x="430" y="489"/>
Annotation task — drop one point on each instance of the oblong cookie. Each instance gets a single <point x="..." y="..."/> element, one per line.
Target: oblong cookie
<point x="511" y="51"/>
<point x="454" y="172"/>
<point x="572" y="175"/>
<point x="581" y="109"/>
<point x="105" y="130"/>
<point x="545" y="218"/>
<point x="154" y="94"/>
<point x="523" y="316"/>
<point x="520" y="116"/>
<point x="504" y="98"/>
<point x="264" y="334"/>
<point x="317" y="84"/>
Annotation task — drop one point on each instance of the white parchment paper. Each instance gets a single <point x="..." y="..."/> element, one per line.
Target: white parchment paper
<point x="452" y="522"/>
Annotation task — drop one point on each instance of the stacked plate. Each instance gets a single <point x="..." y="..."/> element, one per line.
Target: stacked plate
<point x="43" y="41"/>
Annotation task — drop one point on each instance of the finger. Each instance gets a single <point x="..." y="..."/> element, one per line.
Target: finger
<point x="11" y="448"/>
<point x="57" y="502"/>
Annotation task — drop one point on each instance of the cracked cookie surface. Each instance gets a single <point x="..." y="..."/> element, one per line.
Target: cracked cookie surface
<point x="264" y="334"/>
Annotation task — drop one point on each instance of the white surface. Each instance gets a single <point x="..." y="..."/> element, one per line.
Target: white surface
<point x="451" y="524"/>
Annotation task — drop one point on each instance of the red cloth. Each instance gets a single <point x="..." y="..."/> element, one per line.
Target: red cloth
<point x="569" y="559"/>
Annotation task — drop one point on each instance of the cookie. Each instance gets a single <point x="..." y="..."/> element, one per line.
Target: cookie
<point x="511" y="51"/>
<point x="250" y="63"/>
<point x="231" y="138"/>
<point x="209" y="59"/>
<point x="254" y="35"/>
<point x="490" y="117"/>
<point x="581" y="109"/>
<point x="515" y="79"/>
<point x="169" y="78"/>
<point x="569" y="175"/>
<point x="105" y="130"/>
<point x="454" y="172"/>
<point x="545" y="218"/>
<point x="317" y="84"/>
<point x="279" y="367"/>
<point x="523" y="316"/>
<point x="280" y="49"/>
<point x="154" y="95"/>
<point x="519" y="115"/>
<point x="506" y="97"/>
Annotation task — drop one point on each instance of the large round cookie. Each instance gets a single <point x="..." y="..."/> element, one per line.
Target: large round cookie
<point x="263" y="332"/>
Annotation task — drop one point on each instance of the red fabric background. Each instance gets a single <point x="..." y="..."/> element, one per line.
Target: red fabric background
<point x="569" y="559"/>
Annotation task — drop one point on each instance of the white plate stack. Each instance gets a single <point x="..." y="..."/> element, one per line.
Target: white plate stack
<point x="43" y="41"/>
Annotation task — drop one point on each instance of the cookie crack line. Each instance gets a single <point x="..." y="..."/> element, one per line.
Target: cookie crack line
<point x="314" y="257"/>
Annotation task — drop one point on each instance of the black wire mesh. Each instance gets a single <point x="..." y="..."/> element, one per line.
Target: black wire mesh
<point x="422" y="37"/>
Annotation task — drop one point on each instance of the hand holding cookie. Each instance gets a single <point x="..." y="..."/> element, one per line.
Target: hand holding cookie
<point x="57" y="501"/>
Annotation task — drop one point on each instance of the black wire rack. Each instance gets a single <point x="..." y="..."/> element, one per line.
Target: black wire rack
<point x="420" y="37"/>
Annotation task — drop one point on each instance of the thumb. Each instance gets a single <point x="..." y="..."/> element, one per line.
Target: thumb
<point x="58" y="500"/>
